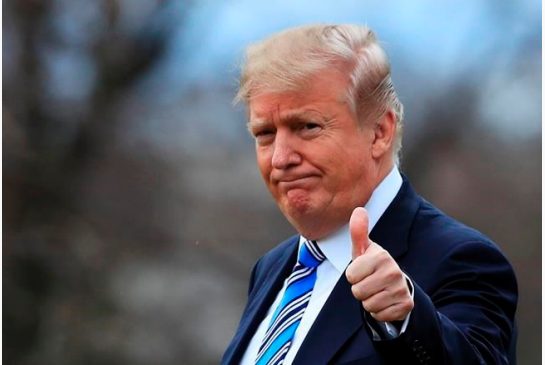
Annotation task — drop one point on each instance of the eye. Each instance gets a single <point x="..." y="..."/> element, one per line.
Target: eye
<point x="263" y="136"/>
<point x="310" y="126"/>
<point x="309" y="129"/>
<point x="262" y="132"/>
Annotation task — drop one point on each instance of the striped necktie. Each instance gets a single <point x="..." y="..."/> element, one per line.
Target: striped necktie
<point x="287" y="316"/>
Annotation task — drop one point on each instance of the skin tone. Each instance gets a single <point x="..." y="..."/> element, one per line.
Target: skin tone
<point x="377" y="281"/>
<point x="320" y="165"/>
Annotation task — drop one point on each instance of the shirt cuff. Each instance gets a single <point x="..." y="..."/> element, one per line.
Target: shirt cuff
<point x="387" y="330"/>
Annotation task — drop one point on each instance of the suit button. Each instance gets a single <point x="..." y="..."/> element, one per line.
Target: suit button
<point x="415" y="346"/>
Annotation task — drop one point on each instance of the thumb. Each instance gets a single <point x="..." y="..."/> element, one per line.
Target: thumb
<point x="359" y="223"/>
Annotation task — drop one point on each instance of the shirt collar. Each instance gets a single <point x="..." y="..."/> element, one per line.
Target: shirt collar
<point x="337" y="247"/>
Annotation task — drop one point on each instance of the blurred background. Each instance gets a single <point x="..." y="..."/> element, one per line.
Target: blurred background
<point x="130" y="190"/>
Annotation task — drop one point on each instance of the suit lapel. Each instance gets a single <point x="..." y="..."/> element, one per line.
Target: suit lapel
<point x="266" y="288"/>
<point x="394" y="226"/>
<point x="342" y="315"/>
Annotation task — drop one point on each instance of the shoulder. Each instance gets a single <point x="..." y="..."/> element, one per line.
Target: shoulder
<point x="272" y="261"/>
<point x="429" y="233"/>
<point x="276" y="254"/>
<point x="433" y="226"/>
<point x="453" y="248"/>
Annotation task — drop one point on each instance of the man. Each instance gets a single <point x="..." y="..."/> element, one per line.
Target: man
<point x="377" y="275"/>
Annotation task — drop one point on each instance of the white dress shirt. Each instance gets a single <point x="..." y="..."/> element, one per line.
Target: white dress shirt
<point x="338" y="251"/>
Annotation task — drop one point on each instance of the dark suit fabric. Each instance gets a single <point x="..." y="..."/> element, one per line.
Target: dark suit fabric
<point x="465" y="296"/>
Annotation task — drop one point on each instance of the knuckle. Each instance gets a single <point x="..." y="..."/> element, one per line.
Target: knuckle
<point x="373" y="304"/>
<point x="401" y="292"/>
<point x="356" y="292"/>
<point x="393" y="275"/>
<point x="368" y="306"/>
<point x="405" y="308"/>
<point x="383" y="256"/>
<point x="350" y="275"/>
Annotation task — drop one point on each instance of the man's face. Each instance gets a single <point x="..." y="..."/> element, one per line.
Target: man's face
<point x="315" y="158"/>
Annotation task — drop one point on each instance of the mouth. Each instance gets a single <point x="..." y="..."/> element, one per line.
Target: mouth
<point x="302" y="182"/>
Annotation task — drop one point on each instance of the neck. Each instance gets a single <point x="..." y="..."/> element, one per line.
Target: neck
<point x="383" y="168"/>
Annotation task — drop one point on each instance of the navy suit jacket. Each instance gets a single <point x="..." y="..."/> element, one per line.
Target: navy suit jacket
<point x="465" y="296"/>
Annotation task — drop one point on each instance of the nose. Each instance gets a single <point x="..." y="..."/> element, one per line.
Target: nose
<point x="285" y="152"/>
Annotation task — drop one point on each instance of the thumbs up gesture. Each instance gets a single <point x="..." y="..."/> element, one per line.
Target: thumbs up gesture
<point x="377" y="281"/>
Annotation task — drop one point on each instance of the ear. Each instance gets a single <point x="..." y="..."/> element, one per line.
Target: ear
<point x="384" y="134"/>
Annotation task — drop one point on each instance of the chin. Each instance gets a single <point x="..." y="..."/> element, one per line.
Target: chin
<point x="305" y="217"/>
<point x="297" y="203"/>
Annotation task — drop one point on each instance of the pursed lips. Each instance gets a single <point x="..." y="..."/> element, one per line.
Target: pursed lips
<point x="294" y="182"/>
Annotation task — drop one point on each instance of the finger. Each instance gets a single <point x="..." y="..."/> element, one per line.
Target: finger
<point x="377" y="282"/>
<point x="385" y="298"/>
<point x="359" y="231"/>
<point x="362" y="267"/>
<point x="368" y="288"/>
<point x="395" y="312"/>
<point x="375" y="258"/>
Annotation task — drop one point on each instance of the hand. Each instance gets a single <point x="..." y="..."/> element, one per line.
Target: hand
<point x="377" y="281"/>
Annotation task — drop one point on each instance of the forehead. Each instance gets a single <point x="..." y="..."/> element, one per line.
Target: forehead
<point x="324" y="94"/>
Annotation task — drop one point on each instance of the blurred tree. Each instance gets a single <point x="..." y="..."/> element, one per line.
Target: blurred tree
<point x="122" y="211"/>
<point x="68" y="66"/>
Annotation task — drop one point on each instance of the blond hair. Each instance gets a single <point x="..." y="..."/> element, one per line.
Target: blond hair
<point x="287" y="60"/>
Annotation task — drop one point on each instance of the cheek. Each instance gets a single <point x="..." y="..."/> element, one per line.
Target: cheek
<point x="348" y="170"/>
<point x="264" y="164"/>
<point x="339" y="165"/>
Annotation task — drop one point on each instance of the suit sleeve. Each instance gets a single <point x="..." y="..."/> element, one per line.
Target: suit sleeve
<point x="466" y="318"/>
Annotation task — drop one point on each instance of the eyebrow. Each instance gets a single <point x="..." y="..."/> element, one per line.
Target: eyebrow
<point x="256" y="123"/>
<point x="301" y="114"/>
<point x="294" y="115"/>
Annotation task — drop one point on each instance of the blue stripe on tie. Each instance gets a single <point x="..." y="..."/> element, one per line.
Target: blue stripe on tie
<point x="291" y="311"/>
<point x="298" y="274"/>
<point x="297" y="288"/>
<point x="284" y="337"/>
<point x="287" y="316"/>
<point x="280" y="355"/>
<point x="308" y="260"/>
<point x="287" y="311"/>
<point x="312" y="256"/>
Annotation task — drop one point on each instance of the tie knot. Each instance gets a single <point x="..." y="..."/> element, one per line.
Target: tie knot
<point x="310" y="254"/>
